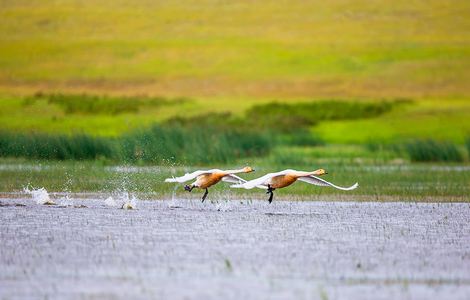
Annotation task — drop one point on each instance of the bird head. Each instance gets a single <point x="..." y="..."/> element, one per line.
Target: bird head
<point x="320" y="172"/>
<point x="248" y="169"/>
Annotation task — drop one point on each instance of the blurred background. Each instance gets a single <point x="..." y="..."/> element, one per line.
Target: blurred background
<point x="378" y="89"/>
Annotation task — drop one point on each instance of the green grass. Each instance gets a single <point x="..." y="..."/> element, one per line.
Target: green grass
<point x="211" y="137"/>
<point x="420" y="119"/>
<point x="72" y="115"/>
<point x="341" y="154"/>
<point x="435" y="119"/>
<point x="382" y="181"/>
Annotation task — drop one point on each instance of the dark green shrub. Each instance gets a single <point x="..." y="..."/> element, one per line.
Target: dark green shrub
<point x="289" y="117"/>
<point x="430" y="150"/>
<point x="92" y="104"/>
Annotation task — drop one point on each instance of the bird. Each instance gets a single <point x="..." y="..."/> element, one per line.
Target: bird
<point x="127" y="205"/>
<point x="285" y="178"/>
<point x="207" y="178"/>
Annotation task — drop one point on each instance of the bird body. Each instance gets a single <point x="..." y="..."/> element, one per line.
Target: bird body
<point x="281" y="181"/>
<point x="207" y="180"/>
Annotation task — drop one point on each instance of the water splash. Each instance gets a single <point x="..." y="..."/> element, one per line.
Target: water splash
<point x="129" y="202"/>
<point x="174" y="203"/>
<point x="41" y="196"/>
<point x="66" y="201"/>
<point x="110" y="202"/>
<point x="123" y="199"/>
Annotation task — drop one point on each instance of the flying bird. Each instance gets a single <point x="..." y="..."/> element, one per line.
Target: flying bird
<point x="281" y="179"/>
<point x="206" y="179"/>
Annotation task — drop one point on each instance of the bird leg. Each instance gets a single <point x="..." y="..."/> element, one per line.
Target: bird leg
<point x="270" y="192"/>
<point x="205" y="195"/>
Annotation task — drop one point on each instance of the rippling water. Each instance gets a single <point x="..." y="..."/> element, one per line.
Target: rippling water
<point x="182" y="249"/>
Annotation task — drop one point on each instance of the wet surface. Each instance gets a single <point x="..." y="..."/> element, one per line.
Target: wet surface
<point x="89" y="249"/>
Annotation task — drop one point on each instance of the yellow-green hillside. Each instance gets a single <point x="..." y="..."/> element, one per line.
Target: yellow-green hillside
<point x="237" y="49"/>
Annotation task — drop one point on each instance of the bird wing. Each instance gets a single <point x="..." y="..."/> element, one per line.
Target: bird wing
<point x="322" y="182"/>
<point x="233" y="179"/>
<point x="189" y="176"/>
<point x="259" y="182"/>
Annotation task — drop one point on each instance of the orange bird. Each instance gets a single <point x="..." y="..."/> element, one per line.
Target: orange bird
<point x="285" y="178"/>
<point x="206" y="179"/>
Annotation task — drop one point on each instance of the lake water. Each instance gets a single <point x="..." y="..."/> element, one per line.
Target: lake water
<point x="182" y="249"/>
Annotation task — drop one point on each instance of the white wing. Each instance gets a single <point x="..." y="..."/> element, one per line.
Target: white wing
<point x="321" y="182"/>
<point x="233" y="179"/>
<point x="189" y="176"/>
<point x="259" y="182"/>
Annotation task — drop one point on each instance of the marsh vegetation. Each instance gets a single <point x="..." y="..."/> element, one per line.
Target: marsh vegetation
<point x="214" y="137"/>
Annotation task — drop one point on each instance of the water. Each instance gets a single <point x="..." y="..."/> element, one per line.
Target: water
<point x="233" y="249"/>
<point x="110" y="202"/>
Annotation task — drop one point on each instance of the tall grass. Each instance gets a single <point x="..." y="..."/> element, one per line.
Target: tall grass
<point x="467" y="144"/>
<point x="196" y="145"/>
<point x="157" y="144"/>
<point x="431" y="150"/>
<point x="301" y="137"/>
<point x="48" y="146"/>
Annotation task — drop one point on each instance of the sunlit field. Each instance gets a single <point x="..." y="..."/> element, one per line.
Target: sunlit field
<point x="273" y="49"/>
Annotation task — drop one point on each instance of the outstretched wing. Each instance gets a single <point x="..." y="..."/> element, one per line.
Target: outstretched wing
<point x="233" y="179"/>
<point x="258" y="182"/>
<point x="189" y="176"/>
<point x="322" y="182"/>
